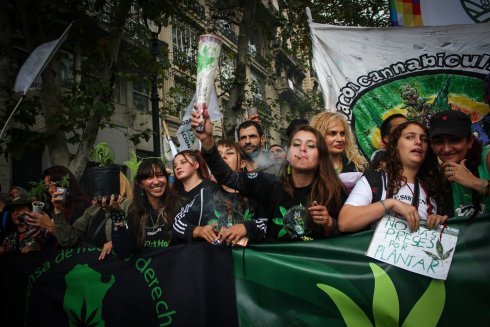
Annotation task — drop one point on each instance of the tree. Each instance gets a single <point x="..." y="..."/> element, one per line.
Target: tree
<point x="290" y="22"/>
<point x="109" y="41"/>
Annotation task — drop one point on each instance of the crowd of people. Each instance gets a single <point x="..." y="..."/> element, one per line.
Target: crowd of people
<point x="234" y="193"/>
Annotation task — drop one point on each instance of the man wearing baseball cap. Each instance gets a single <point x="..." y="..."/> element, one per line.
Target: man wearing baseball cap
<point x="23" y="239"/>
<point x="464" y="162"/>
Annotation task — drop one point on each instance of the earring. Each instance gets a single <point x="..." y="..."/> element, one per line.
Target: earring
<point x="289" y="170"/>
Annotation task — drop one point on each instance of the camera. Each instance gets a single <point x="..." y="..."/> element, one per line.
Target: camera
<point x="22" y="218"/>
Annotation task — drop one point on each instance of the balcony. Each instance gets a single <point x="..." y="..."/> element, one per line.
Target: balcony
<point x="288" y="90"/>
<point x="184" y="61"/>
<point x="227" y="32"/>
<point x="195" y="7"/>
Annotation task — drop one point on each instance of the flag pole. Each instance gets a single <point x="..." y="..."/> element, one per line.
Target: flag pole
<point x="11" y="115"/>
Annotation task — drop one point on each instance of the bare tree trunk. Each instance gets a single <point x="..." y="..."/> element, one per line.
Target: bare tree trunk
<point x="79" y="161"/>
<point x="237" y="93"/>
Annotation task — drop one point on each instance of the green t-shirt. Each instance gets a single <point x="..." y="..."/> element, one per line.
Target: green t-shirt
<point x="462" y="196"/>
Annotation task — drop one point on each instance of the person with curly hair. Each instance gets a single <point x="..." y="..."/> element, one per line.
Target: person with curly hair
<point x="340" y="142"/>
<point x="411" y="185"/>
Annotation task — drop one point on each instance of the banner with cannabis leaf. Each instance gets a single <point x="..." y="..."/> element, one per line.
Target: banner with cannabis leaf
<point x="332" y="283"/>
<point x="368" y="74"/>
<point x="318" y="283"/>
<point x="184" y="285"/>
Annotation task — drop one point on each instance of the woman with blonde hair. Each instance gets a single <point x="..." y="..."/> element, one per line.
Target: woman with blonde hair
<point x="340" y="142"/>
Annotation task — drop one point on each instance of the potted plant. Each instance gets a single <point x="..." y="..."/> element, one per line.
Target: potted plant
<point x="62" y="186"/>
<point x="104" y="177"/>
<point x="37" y="193"/>
<point x="133" y="164"/>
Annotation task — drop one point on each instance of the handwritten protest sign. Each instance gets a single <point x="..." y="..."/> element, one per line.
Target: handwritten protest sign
<point x="426" y="252"/>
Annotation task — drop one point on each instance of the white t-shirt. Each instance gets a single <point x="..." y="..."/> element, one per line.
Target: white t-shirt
<point x="362" y="195"/>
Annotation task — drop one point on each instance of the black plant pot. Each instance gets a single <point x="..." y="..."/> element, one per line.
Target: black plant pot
<point x="103" y="181"/>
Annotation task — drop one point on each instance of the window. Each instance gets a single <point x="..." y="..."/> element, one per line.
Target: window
<point x="184" y="43"/>
<point x="141" y="97"/>
<point x="258" y="88"/>
<point x="119" y="92"/>
<point x="183" y="96"/>
<point x="67" y="68"/>
<point x="227" y="69"/>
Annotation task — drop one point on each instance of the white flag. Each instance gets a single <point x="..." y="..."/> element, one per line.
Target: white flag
<point x="185" y="135"/>
<point x="37" y="61"/>
<point x="169" y="151"/>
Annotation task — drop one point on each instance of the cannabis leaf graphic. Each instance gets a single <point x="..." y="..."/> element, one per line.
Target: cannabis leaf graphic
<point x="280" y="221"/>
<point x="441" y="255"/>
<point x="83" y="320"/>
<point x="386" y="310"/>
<point x="205" y="59"/>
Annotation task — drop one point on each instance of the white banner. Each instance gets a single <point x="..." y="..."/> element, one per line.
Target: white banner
<point x="426" y="252"/>
<point x="369" y="73"/>
<point x="186" y="137"/>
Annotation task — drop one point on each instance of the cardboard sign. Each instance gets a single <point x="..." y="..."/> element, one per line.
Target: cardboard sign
<point x="426" y="252"/>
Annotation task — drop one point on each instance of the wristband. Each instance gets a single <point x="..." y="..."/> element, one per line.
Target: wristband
<point x="118" y="220"/>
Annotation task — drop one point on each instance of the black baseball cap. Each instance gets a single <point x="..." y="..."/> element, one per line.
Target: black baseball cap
<point x="450" y="122"/>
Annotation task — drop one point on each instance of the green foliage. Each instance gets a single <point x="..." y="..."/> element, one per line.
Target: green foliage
<point x="38" y="189"/>
<point x="64" y="182"/>
<point x="102" y="154"/>
<point x="133" y="164"/>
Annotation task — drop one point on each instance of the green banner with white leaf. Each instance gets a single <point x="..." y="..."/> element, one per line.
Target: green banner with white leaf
<point x="333" y="283"/>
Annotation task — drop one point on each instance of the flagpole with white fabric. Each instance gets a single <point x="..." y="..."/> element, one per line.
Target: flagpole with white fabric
<point x="33" y="67"/>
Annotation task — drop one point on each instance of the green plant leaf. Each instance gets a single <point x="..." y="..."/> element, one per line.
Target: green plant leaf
<point x="283" y="211"/>
<point x="282" y="232"/>
<point x="428" y="309"/>
<point x="432" y="255"/>
<point x="133" y="164"/>
<point x="351" y="313"/>
<point x="447" y="254"/>
<point x="278" y="221"/>
<point x="386" y="308"/>
<point x="439" y="248"/>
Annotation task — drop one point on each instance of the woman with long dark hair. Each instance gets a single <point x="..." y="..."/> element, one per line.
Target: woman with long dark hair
<point x="146" y="220"/>
<point x="410" y="185"/>
<point x="303" y="204"/>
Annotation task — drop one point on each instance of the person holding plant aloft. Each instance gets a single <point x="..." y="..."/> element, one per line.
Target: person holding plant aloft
<point x="304" y="202"/>
<point x="410" y="185"/>
<point x="145" y="221"/>
<point x="75" y="202"/>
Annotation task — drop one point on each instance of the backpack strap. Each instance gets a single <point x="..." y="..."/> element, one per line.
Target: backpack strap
<point x="377" y="181"/>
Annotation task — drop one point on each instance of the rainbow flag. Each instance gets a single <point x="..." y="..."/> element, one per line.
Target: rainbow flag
<point x="405" y="13"/>
<point x="412" y="13"/>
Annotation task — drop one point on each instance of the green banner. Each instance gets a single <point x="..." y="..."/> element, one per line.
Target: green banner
<point x="332" y="283"/>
